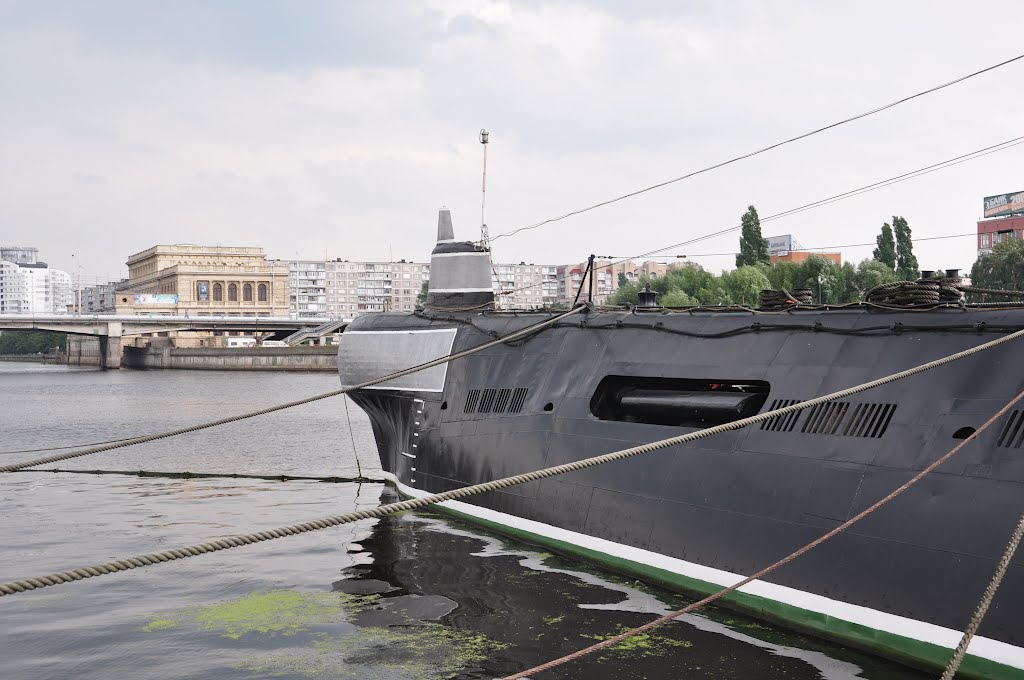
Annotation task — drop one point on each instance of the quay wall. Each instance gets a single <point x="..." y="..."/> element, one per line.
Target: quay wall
<point x="36" y="358"/>
<point x="302" y="358"/>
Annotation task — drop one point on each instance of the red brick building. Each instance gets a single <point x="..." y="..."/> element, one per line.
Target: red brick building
<point x="991" y="232"/>
<point x="802" y="255"/>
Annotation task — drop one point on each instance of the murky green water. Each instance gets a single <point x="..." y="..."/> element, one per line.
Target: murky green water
<point x="415" y="596"/>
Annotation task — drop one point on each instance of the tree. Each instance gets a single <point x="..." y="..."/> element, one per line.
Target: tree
<point x="621" y="280"/>
<point x="676" y="298"/>
<point x="871" y="273"/>
<point x="1003" y="268"/>
<point x="753" y="246"/>
<point x="30" y="342"/>
<point x="742" y="286"/>
<point x="906" y="263"/>
<point x="421" y="297"/>
<point x="886" y="250"/>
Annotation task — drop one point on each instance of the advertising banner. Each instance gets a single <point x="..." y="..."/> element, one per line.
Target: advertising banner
<point x="1002" y="205"/>
<point x="780" y="245"/>
<point x="151" y="299"/>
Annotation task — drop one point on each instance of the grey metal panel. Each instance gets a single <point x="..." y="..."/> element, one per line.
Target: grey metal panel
<point x="365" y="355"/>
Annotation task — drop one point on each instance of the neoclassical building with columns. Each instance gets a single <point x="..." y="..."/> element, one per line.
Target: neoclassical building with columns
<point x="204" y="281"/>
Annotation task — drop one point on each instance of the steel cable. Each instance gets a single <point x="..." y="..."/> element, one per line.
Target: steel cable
<point x="280" y="407"/>
<point x="24" y="585"/>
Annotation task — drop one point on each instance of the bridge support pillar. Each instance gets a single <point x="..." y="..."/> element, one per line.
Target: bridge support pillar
<point x="110" y="347"/>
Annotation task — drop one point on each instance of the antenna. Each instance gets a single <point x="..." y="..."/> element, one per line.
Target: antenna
<point x="485" y="239"/>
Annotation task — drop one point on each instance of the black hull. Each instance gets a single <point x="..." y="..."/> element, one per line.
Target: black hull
<point x="739" y="501"/>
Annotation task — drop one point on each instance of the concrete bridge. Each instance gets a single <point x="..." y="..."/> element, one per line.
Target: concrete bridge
<point x="110" y="328"/>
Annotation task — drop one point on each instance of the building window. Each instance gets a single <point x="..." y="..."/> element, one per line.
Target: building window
<point x="218" y="292"/>
<point x="202" y="291"/>
<point x="261" y="292"/>
<point x="232" y="292"/>
<point x="247" y="293"/>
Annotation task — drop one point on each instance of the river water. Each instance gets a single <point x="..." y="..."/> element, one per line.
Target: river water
<point x="415" y="596"/>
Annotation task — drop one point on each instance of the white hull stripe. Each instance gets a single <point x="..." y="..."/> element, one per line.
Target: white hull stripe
<point x="987" y="648"/>
<point x="466" y="253"/>
<point x="461" y="290"/>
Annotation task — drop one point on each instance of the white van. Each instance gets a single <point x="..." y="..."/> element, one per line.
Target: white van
<point x="273" y="343"/>
<point x="240" y="342"/>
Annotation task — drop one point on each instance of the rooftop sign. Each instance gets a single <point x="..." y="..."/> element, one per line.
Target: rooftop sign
<point x="1002" y="205"/>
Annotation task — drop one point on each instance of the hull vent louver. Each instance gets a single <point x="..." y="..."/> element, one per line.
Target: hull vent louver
<point x="1012" y="435"/>
<point x="782" y="423"/>
<point x="825" y="418"/>
<point x="493" y="400"/>
<point x="869" y="420"/>
<point x="843" y="419"/>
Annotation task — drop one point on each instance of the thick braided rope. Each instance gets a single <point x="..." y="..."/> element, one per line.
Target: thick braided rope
<point x="986" y="600"/>
<point x="992" y="291"/>
<point x="662" y="620"/>
<point x="413" y="504"/>
<point x="280" y="407"/>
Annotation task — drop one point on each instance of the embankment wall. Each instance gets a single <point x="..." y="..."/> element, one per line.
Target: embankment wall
<point x="303" y="358"/>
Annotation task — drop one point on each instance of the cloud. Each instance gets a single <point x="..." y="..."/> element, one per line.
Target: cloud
<point x="344" y="126"/>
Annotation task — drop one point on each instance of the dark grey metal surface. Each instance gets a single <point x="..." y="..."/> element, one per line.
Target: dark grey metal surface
<point x="741" y="500"/>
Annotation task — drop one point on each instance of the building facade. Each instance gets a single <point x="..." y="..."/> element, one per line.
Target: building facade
<point x="526" y="286"/>
<point x="608" y="277"/>
<point x="28" y="286"/>
<point x="995" y="231"/>
<point x="203" y="281"/>
<point x="804" y="255"/>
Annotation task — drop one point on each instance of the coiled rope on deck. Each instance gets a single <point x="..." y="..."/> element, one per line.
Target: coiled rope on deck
<point x="534" y="328"/>
<point x="34" y="583"/>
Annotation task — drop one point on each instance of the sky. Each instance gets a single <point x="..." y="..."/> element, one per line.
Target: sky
<point x="337" y="129"/>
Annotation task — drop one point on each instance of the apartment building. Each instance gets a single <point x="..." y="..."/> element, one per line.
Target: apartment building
<point x="28" y="286"/>
<point x="607" y="277"/>
<point x="525" y="286"/>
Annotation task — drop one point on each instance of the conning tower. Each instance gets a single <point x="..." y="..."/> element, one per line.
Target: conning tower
<point x="460" y="271"/>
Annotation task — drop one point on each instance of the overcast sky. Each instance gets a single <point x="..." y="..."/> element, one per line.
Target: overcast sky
<point x="339" y="129"/>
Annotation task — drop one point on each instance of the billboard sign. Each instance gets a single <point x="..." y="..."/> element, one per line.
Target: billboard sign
<point x="150" y="299"/>
<point x="782" y="245"/>
<point x="1002" y="205"/>
<point x="203" y="291"/>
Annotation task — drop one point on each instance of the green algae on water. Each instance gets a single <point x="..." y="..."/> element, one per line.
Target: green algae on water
<point x="642" y="644"/>
<point x="274" y="612"/>
<point x="424" y="652"/>
<point x="415" y="651"/>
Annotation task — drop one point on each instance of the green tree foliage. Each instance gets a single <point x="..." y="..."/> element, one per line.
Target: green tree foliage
<point x="886" y="250"/>
<point x="753" y="246"/>
<point x="421" y="297"/>
<point x="871" y="273"/>
<point x="906" y="263"/>
<point x="691" y="285"/>
<point x="22" y="342"/>
<point x="1003" y="268"/>
<point x="676" y="298"/>
<point x="741" y="286"/>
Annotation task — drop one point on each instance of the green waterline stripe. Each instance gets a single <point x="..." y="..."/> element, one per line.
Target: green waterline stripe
<point x="908" y="651"/>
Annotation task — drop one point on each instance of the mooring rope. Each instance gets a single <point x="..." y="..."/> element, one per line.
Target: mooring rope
<point x="662" y="620"/>
<point x="983" y="605"/>
<point x="24" y="585"/>
<point x="280" y="407"/>
<point x="215" y="475"/>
